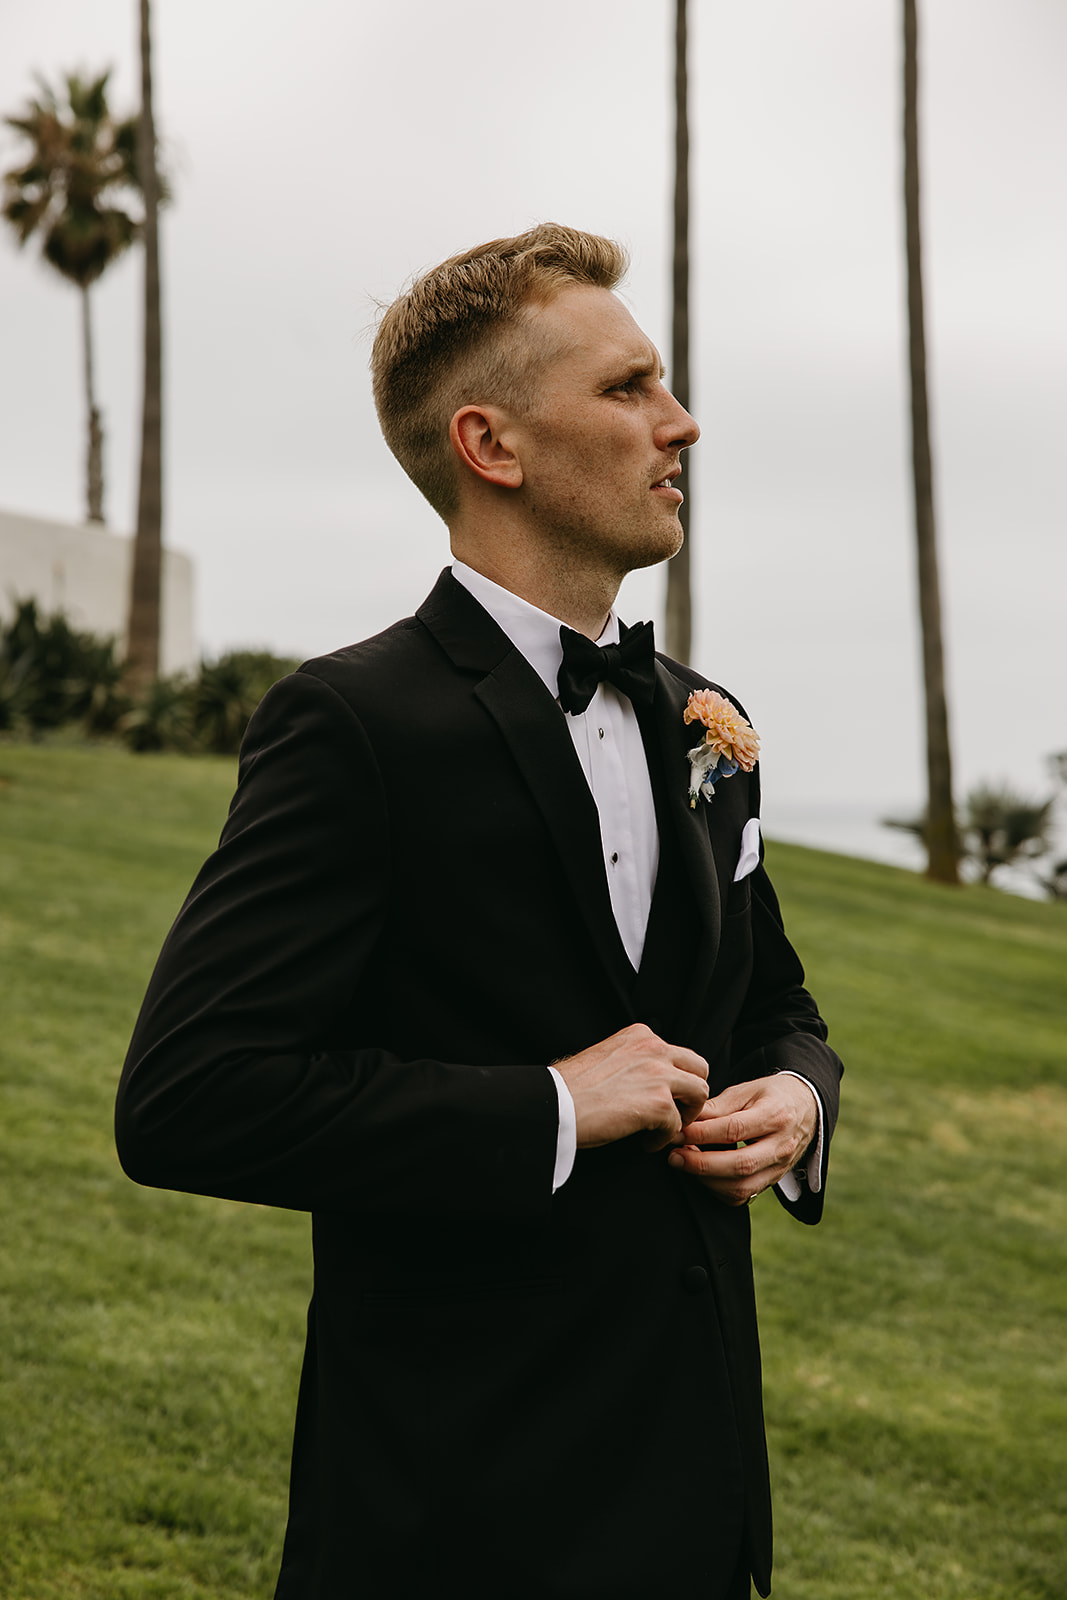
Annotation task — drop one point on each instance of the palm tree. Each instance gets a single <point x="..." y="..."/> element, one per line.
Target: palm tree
<point x="942" y="846"/>
<point x="66" y="193"/>
<point x="142" y="642"/>
<point x="679" y="595"/>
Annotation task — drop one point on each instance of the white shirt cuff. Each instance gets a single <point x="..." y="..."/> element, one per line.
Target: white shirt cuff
<point x="790" y="1184"/>
<point x="567" y="1138"/>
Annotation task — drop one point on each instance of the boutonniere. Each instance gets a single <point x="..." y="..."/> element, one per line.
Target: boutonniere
<point x="728" y="743"/>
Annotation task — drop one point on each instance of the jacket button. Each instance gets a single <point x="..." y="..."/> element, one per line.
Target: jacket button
<point x="694" y="1280"/>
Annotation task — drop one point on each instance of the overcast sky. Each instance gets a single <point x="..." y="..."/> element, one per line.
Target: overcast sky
<point x="323" y="153"/>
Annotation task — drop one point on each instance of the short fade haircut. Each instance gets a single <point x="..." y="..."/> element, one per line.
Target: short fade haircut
<point x="439" y="346"/>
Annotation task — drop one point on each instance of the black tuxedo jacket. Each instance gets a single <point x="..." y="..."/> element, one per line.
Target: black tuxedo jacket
<point x="505" y="1392"/>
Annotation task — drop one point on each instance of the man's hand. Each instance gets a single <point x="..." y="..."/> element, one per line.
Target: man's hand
<point x="775" y="1119"/>
<point x="634" y="1083"/>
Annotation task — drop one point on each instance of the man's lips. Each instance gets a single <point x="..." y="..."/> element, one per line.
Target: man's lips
<point x="665" y="486"/>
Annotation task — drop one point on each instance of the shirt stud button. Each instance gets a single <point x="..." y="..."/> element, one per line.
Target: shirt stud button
<point x="614" y="858"/>
<point x="600" y="731"/>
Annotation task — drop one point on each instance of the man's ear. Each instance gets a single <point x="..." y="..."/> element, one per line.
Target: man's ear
<point x="477" y="436"/>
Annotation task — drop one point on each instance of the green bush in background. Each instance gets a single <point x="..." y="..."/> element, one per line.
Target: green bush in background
<point x="53" y="676"/>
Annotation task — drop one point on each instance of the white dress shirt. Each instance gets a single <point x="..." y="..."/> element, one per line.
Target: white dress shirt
<point x="607" y="741"/>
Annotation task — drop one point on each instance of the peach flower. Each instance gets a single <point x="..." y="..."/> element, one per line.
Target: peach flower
<point x="728" y="733"/>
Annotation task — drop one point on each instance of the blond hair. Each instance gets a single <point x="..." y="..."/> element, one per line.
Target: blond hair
<point x="439" y="345"/>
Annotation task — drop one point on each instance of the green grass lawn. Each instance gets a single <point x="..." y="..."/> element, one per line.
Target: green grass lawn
<point x="914" y="1344"/>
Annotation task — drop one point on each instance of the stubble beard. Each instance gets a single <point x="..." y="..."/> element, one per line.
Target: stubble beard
<point x="583" y="548"/>
<point x="657" y="546"/>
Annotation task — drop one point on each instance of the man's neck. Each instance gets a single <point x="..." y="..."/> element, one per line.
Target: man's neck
<point x="579" y="599"/>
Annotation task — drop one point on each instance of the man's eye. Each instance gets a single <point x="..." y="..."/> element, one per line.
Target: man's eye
<point x="629" y="387"/>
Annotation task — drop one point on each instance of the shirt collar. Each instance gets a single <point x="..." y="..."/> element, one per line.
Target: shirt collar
<point x="533" y="633"/>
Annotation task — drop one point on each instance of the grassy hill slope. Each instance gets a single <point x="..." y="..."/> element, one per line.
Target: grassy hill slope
<point x="914" y="1343"/>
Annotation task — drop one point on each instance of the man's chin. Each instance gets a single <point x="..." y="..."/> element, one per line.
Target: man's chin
<point x="662" y="548"/>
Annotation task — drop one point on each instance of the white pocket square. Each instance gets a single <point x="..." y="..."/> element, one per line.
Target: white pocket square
<point x="749" y="858"/>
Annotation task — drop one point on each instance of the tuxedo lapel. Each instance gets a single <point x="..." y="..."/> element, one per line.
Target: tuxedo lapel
<point x="665" y="735"/>
<point x="533" y="727"/>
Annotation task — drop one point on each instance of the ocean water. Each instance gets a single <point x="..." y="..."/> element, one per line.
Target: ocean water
<point x="856" y="829"/>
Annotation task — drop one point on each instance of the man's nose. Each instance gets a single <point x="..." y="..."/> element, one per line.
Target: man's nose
<point x="681" y="429"/>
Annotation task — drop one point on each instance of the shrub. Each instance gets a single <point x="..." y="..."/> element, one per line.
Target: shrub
<point x="208" y="711"/>
<point x="1001" y="828"/>
<point x="52" y="674"/>
<point x="163" y="718"/>
<point x="997" y="828"/>
<point x="227" y="691"/>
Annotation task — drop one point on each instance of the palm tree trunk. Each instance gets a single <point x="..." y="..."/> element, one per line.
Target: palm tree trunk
<point x="679" y="582"/>
<point x="941" y="842"/>
<point x="94" y="469"/>
<point x="142" y="654"/>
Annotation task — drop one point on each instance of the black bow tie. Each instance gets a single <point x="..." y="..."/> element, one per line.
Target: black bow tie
<point x="630" y="665"/>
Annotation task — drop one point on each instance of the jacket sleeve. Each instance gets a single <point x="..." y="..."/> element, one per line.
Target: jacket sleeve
<point x="780" y="1029"/>
<point x="232" y="1086"/>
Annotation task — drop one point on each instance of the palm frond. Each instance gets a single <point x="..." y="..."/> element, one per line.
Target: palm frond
<point x="68" y="188"/>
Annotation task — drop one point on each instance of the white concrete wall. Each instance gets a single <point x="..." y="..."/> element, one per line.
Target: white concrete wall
<point x="85" y="572"/>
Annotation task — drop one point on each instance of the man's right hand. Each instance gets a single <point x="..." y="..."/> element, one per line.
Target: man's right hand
<point x="634" y="1083"/>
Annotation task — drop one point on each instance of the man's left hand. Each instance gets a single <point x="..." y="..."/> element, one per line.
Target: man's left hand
<point x="773" y="1120"/>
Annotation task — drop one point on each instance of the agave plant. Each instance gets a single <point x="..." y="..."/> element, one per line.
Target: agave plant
<point x="52" y="674"/>
<point x="1002" y="828"/>
<point x="162" y="718"/>
<point x="227" y="692"/>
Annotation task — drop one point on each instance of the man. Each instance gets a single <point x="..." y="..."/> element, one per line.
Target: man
<point x="459" y="980"/>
